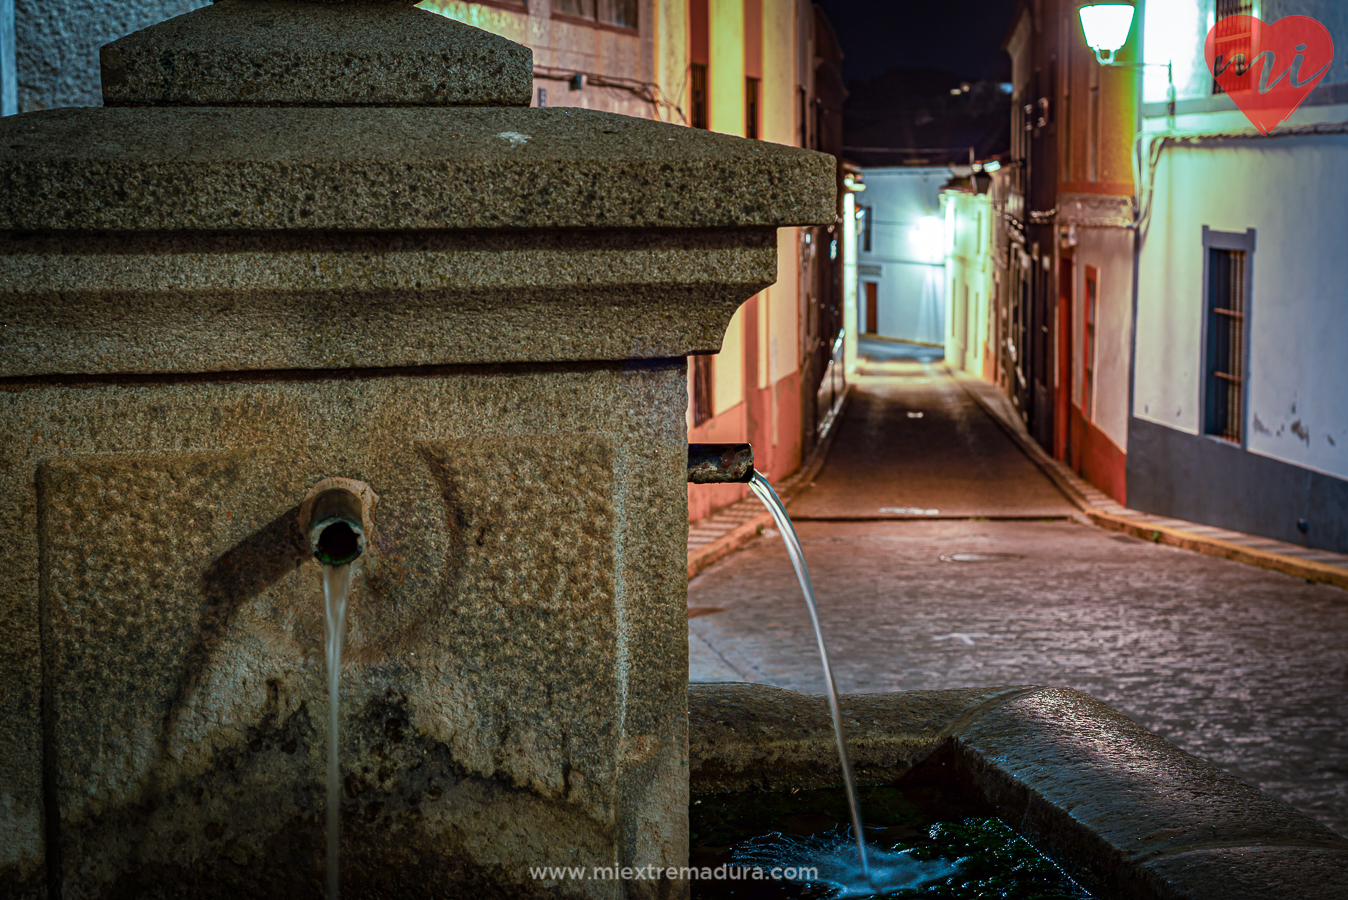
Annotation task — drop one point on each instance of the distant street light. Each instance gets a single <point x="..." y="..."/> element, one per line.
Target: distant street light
<point x="1106" y="27"/>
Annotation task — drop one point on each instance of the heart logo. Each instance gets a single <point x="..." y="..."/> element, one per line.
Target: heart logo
<point x="1268" y="69"/>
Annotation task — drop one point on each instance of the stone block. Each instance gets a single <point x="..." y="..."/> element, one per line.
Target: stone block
<point x="250" y="278"/>
<point x="1252" y="873"/>
<point x="1124" y="812"/>
<point x="243" y="52"/>
<point x="1102" y="793"/>
<point x="759" y="737"/>
<point x="394" y="169"/>
<point x="209" y="303"/>
<point x="513" y="683"/>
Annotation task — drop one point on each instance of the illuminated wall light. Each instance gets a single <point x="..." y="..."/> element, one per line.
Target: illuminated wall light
<point x="1106" y="27"/>
<point x="1175" y="32"/>
<point x="929" y="239"/>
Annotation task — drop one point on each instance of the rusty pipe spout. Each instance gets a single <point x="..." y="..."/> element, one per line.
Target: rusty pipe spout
<point x="336" y="527"/>
<point x="720" y="463"/>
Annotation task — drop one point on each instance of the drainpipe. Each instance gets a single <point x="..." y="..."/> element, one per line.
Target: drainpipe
<point x="851" y="186"/>
<point x="9" y="87"/>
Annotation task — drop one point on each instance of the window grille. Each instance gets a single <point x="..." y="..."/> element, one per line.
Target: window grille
<point x="803" y="115"/>
<point x="1234" y="42"/>
<point x="751" y="108"/>
<point x="620" y="13"/>
<point x="701" y="399"/>
<point x="698" y="77"/>
<point x="1088" y="356"/>
<point x="1226" y="343"/>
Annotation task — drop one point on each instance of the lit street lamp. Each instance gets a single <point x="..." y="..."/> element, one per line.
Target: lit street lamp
<point x="1105" y="27"/>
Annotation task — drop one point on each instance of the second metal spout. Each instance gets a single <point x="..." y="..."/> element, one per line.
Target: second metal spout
<point x="720" y="463"/>
<point x="336" y="532"/>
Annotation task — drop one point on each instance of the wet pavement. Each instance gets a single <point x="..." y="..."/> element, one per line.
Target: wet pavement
<point x="1242" y="666"/>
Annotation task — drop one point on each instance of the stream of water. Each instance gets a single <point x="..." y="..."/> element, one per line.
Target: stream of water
<point x="873" y="870"/>
<point x="336" y="586"/>
<point x="763" y="490"/>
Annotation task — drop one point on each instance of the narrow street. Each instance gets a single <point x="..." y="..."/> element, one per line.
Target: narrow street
<point x="943" y="558"/>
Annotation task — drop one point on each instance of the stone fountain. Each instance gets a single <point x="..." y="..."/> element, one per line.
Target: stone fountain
<point x="306" y="241"/>
<point x="312" y="244"/>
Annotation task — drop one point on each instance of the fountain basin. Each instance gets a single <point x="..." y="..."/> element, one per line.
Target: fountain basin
<point x="1123" y="811"/>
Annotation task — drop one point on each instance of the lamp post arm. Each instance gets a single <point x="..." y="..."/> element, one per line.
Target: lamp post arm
<point x="1169" y="75"/>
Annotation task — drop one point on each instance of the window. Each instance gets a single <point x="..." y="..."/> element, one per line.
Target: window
<point x="702" y="389"/>
<point x="619" y="13"/>
<point x="698" y="77"/>
<point x="803" y="114"/>
<point x="1093" y="113"/>
<point x="1227" y="280"/>
<point x="864" y="217"/>
<point x="1233" y="42"/>
<point x="751" y="117"/>
<point x="1088" y="352"/>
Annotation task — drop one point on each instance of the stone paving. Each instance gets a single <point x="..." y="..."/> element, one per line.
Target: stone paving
<point x="1243" y="666"/>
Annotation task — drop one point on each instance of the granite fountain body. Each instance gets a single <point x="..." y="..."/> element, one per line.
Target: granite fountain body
<point x="307" y="241"/>
<point x="312" y="244"/>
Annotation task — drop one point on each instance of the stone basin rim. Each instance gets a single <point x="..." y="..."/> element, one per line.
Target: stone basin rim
<point x="1125" y="812"/>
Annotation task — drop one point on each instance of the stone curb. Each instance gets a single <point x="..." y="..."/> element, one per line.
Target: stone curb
<point x="1123" y="811"/>
<point x="1210" y="546"/>
<point x="737" y="535"/>
<point x="1130" y="522"/>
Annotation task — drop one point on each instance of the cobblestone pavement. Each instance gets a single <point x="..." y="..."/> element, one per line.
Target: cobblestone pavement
<point x="914" y="444"/>
<point x="1243" y="666"/>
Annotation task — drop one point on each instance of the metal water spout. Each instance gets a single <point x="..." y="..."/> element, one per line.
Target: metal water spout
<point x="336" y="536"/>
<point x="335" y="517"/>
<point x="720" y="463"/>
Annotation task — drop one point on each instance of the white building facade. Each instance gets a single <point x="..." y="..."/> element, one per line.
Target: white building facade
<point x="901" y="249"/>
<point x="1239" y="409"/>
<point x="970" y="343"/>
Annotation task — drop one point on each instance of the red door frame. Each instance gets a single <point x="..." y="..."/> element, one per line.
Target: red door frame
<point x="872" y="307"/>
<point x="1063" y="402"/>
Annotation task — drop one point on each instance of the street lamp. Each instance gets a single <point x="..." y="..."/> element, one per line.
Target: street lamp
<point x="1105" y="27"/>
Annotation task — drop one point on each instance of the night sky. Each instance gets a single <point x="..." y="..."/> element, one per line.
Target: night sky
<point x="962" y="36"/>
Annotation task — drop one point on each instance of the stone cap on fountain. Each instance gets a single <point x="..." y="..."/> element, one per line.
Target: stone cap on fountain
<point x="265" y="53"/>
<point x="261" y="161"/>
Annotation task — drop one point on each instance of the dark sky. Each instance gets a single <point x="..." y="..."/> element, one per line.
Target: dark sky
<point x="962" y="36"/>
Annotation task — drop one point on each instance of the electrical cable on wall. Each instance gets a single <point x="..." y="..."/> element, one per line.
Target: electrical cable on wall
<point x="648" y="91"/>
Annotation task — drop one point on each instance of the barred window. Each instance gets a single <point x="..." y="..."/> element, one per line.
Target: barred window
<point x="701" y="399"/>
<point x="699" y="99"/>
<point x="1234" y="42"/>
<point x="621" y="13"/>
<point x="1225" y="368"/>
<point x="1088" y="356"/>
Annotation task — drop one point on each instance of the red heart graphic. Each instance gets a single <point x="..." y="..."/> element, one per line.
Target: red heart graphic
<point x="1268" y="69"/>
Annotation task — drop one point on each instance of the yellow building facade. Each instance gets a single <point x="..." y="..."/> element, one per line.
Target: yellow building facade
<point x="741" y="67"/>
